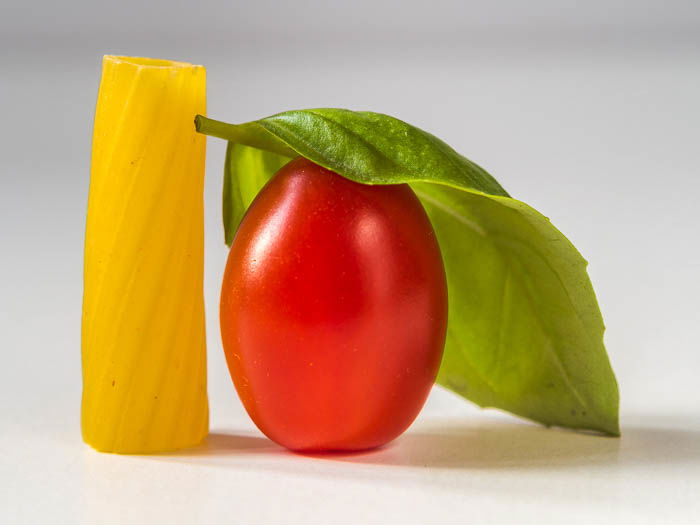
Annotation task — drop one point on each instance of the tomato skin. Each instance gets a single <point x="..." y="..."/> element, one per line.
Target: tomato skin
<point x="333" y="310"/>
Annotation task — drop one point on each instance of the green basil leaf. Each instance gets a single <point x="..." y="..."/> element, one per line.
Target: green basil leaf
<point x="525" y="333"/>
<point x="246" y="170"/>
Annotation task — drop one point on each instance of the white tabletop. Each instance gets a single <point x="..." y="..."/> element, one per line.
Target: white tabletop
<point x="454" y="464"/>
<point x="604" y="143"/>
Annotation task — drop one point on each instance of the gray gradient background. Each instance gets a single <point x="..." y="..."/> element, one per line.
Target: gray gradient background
<point x="589" y="111"/>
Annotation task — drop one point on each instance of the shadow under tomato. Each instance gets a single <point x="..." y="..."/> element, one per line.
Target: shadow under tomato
<point x="524" y="446"/>
<point x="478" y="445"/>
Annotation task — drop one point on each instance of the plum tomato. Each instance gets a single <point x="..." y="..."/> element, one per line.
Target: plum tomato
<point x="333" y="310"/>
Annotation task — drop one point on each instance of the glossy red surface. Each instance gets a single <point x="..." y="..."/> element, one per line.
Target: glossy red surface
<point x="333" y="310"/>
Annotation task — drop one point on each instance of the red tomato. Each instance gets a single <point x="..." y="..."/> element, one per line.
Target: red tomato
<point x="333" y="310"/>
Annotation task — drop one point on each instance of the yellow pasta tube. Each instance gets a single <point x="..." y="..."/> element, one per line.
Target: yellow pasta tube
<point x="143" y="340"/>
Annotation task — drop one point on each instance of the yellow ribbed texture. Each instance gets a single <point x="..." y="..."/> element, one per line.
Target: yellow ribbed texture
<point x="143" y="341"/>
